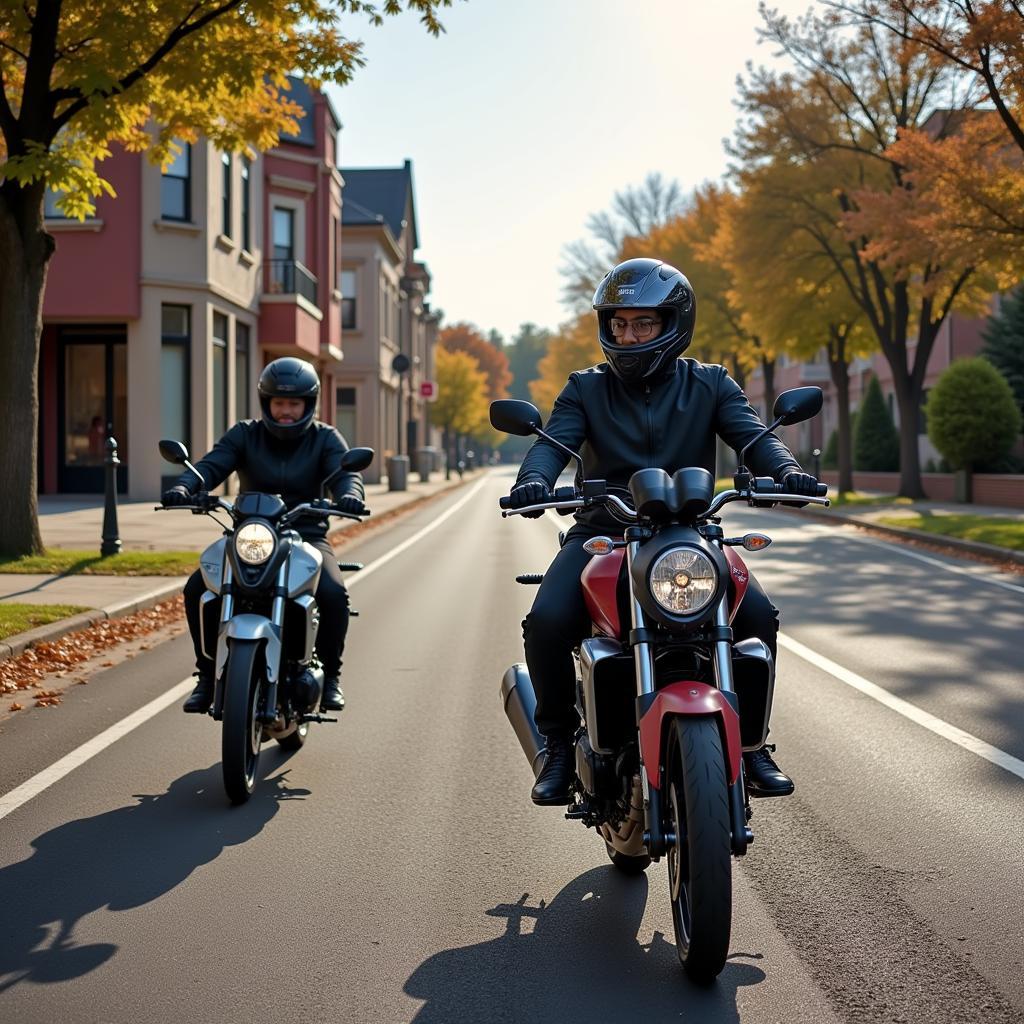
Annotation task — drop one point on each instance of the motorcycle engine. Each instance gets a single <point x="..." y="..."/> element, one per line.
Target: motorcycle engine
<point x="306" y="688"/>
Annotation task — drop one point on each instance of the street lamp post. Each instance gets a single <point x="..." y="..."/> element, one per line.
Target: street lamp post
<point x="398" y="467"/>
<point x="111" y="542"/>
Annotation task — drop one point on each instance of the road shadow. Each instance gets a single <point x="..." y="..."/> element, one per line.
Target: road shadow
<point x="581" y="961"/>
<point x="118" y="860"/>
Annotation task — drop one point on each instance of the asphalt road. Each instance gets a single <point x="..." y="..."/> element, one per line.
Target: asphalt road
<point x="395" y="869"/>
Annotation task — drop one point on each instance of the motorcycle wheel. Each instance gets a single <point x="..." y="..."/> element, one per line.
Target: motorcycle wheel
<point x="242" y="732"/>
<point x="296" y="739"/>
<point x="625" y="863"/>
<point x="700" y="858"/>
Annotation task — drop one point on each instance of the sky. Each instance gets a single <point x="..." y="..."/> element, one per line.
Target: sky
<point x="527" y="116"/>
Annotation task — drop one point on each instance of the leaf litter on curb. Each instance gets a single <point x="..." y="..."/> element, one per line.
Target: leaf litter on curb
<point x="63" y="656"/>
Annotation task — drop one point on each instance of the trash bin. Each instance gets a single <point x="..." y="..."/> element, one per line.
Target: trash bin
<point x="398" y="473"/>
<point x="425" y="463"/>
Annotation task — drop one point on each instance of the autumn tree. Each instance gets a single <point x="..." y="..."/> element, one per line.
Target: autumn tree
<point x="462" y="403"/>
<point x="573" y="347"/>
<point x="80" y="76"/>
<point x="635" y="211"/>
<point x="853" y="92"/>
<point x="463" y="337"/>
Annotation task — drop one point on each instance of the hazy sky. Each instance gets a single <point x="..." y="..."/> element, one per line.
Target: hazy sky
<point x="528" y="115"/>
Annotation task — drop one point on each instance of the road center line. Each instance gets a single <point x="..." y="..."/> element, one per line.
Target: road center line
<point x="936" y="725"/>
<point x="55" y="772"/>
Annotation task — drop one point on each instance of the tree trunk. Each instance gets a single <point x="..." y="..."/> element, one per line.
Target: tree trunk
<point x="447" y="452"/>
<point x="908" y="400"/>
<point x="839" y="368"/>
<point x="25" y="250"/>
<point x="768" y="373"/>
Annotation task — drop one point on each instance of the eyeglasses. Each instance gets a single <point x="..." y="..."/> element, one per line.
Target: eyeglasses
<point x="643" y="327"/>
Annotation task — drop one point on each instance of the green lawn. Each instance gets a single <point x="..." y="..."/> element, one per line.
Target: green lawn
<point x="1005" y="533"/>
<point x="848" y="498"/>
<point x="17" y="618"/>
<point x="127" y="563"/>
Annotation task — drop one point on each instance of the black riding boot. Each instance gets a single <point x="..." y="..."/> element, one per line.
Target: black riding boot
<point x="333" y="698"/>
<point x="200" y="699"/>
<point x="764" y="777"/>
<point x="553" y="785"/>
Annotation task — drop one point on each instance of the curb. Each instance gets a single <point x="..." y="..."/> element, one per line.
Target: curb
<point x="20" y="642"/>
<point x="952" y="544"/>
<point x="15" y="645"/>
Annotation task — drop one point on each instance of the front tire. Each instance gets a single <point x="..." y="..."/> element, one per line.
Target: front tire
<point x="242" y="732"/>
<point x="700" y="859"/>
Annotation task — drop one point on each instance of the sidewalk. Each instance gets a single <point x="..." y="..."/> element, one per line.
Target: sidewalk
<point x="77" y="523"/>
<point x="867" y="515"/>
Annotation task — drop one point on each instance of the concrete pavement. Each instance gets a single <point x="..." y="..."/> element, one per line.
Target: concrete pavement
<point x="76" y="523"/>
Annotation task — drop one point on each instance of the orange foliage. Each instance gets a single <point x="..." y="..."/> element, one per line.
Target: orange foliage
<point x="463" y="337"/>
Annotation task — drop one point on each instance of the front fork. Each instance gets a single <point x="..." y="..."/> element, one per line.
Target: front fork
<point x="656" y="839"/>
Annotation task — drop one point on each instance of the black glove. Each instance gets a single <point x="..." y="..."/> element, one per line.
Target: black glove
<point x="176" y="496"/>
<point x="351" y="504"/>
<point x="800" y="483"/>
<point x="533" y="492"/>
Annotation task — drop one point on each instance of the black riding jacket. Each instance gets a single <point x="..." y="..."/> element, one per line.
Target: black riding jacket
<point x="293" y="469"/>
<point x="669" y="422"/>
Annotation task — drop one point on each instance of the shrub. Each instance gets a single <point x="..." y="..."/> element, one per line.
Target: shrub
<point x="1004" y="343"/>
<point x="830" y="456"/>
<point x="876" y="445"/>
<point x="973" y="419"/>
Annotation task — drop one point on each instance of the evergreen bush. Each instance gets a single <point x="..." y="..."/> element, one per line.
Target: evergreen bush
<point x="876" y="444"/>
<point x="1004" y="344"/>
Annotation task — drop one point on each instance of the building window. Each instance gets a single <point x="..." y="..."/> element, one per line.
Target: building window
<point x="348" y="298"/>
<point x="241" y="371"/>
<point x="345" y="417"/>
<point x="175" y="375"/>
<point x="219" y="356"/>
<point x="246" y="205"/>
<point x="225" y="201"/>
<point x="176" y="187"/>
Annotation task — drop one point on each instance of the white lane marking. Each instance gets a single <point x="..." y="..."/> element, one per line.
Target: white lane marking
<point x="936" y="725"/>
<point x="48" y="776"/>
<point x="847" y="531"/>
<point x="409" y="541"/>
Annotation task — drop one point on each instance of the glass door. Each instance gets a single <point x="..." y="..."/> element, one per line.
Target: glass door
<point x="93" y="390"/>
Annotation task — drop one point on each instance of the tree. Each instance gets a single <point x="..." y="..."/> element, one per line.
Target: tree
<point x="1004" y="343"/>
<point x="79" y="76"/>
<point x="461" y="404"/>
<point x="973" y="419"/>
<point x="853" y="93"/>
<point x="463" y="337"/>
<point x="574" y="347"/>
<point x="635" y="211"/>
<point x="876" y="445"/>
<point x="524" y="352"/>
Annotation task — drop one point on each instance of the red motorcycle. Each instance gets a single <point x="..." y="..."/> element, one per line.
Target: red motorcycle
<point x="667" y="700"/>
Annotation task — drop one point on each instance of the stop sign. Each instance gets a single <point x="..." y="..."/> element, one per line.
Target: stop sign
<point x="428" y="389"/>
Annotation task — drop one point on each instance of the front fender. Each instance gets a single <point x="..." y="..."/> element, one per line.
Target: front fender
<point x="251" y="627"/>
<point x="688" y="698"/>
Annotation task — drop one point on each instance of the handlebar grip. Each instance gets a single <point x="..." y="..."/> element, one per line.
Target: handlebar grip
<point x="505" y="502"/>
<point x="563" y="494"/>
<point x="822" y="490"/>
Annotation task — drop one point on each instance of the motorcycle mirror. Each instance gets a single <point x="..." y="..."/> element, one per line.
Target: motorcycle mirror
<point x="174" y="451"/>
<point x="514" y="416"/>
<point x="797" y="405"/>
<point x="355" y="460"/>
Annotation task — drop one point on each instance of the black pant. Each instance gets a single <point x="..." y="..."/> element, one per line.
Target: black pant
<point x="559" y="621"/>
<point x="331" y="599"/>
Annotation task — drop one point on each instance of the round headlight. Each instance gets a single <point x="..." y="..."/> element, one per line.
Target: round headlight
<point x="254" y="543"/>
<point x="683" y="580"/>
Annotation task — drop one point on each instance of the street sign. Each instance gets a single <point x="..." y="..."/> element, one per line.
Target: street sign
<point x="428" y="390"/>
<point x="401" y="363"/>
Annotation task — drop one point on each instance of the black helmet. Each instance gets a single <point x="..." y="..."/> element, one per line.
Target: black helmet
<point x="646" y="284"/>
<point x="288" y="377"/>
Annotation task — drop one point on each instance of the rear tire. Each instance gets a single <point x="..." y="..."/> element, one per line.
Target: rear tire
<point x="242" y="732"/>
<point x="700" y="859"/>
<point x="625" y="863"/>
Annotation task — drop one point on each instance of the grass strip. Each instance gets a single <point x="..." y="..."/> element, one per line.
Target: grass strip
<point x="19" y="618"/>
<point x="62" y="561"/>
<point x="1004" y="533"/>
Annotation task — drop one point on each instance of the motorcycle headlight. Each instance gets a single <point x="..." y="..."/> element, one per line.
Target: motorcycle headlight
<point x="683" y="580"/>
<point x="254" y="543"/>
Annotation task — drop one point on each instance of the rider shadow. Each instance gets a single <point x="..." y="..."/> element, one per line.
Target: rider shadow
<point x="118" y="860"/>
<point x="582" y="961"/>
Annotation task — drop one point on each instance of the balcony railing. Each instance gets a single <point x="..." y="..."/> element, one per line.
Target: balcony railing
<point x="289" y="277"/>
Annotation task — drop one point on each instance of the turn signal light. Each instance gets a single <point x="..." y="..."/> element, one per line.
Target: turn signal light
<point x="599" y="546"/>
<point x="756" y="541"/>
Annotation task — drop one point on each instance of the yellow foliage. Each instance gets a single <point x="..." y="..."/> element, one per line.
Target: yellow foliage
<point x="574" y="347"/>
<point x="462" y="404"/>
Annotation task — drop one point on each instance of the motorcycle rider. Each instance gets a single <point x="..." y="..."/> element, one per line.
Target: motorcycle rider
<point x="290" y="453"/>
<point x="643" y="406"/>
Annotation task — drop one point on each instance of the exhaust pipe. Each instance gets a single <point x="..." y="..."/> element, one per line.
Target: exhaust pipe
<point x="520" y="702"/>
